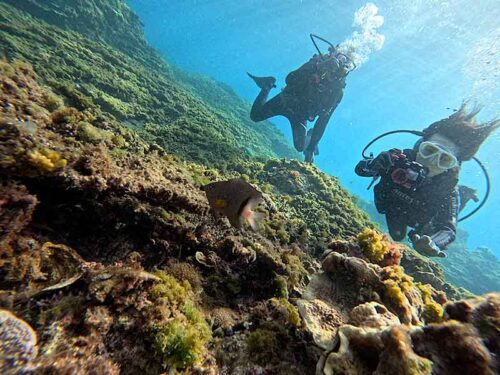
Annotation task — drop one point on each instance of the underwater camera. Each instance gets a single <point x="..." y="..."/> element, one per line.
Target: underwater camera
<point x="408" y="174"/>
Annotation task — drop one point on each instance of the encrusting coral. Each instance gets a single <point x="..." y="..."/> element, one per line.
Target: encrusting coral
<point x="378" y="248"/>
<point x="380" y="344"/>
<point x="46" y="160"/>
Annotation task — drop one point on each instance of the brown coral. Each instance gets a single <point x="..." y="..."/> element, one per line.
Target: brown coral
<point x="453" y="348"/>
<point x="381" y="345"/>
<point x="445" y="348"/>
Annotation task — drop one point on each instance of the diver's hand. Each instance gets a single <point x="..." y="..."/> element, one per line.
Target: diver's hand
<point x="426" y="246"/>
<point x="382" y="163"/>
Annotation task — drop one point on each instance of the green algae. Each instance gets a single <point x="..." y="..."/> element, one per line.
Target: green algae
<point x="182" y="340"/>
<point x="264" y="344"/>
<point x="287" y="310"/>
<point x="179" y="345"/>
<point x="169" y="290"/>
<point x="373" y="245"/>
<point x="433" y="312"/>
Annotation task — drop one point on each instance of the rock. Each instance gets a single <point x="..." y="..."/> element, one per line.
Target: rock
<point x="321" y="320"/>
<point x="321" y="315"/>
<point x="18" y="344"/>
<point x="355" y="349"/>
<point x="372" y="314"/>
<point x="453" y="348"/>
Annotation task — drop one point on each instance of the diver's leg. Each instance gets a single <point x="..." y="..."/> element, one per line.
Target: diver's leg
<point x="262" y="110"/>
<point x="318" y="131"/>
<point x="299" y="130"/>
<point x="397" y="225"/>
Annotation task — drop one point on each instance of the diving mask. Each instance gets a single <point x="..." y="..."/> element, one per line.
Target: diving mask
<point x="436" y="157"/>
<point x="345" y="61"/>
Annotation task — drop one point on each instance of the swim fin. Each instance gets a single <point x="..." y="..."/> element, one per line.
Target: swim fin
<point x="264" y="82"/>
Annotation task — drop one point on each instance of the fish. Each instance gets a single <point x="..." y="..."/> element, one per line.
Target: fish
<point x="235" y="199"/>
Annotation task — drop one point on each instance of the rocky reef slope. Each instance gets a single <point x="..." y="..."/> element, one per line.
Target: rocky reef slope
<point x="94" y="53"/>
<point x="477" y="271"/>
<point x="112" y="262"/>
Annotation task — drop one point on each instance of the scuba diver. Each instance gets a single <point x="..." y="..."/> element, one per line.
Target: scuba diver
<point x="419" y="188"/>
<point x="312" y="91"/>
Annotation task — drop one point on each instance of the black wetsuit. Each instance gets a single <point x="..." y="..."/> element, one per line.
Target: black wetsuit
<point x="431" y="208"/>
<point x="315" y="89"/>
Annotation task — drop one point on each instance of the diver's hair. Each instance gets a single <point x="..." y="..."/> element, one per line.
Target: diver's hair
<point x="463" y="129"/>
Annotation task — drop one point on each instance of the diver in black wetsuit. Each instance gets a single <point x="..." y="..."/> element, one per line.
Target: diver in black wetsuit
<point x="419" y="187"/>
<point x="313" y="90"/>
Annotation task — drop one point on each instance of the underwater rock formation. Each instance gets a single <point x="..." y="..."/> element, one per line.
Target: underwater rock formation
<point x="370" y="338"/>
<point x="311" y="208"/>
<point x="110" y="253"/>
<point x="76" y="239"/>
<point x="463" y="272"/>
<point x="427" y="271"/>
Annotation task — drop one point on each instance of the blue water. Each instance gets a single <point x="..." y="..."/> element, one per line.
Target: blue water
<point x="435" y="54"/>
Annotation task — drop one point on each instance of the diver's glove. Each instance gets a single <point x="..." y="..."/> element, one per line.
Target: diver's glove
<point x="382" y="163"/>
<point x="426" y="246"/>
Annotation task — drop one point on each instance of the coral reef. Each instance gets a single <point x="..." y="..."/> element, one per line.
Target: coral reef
<point x="77" y="239"/>
<point x="371" y="351"/>
<point x="371" y="338"/>
<point x="372" y="246"/>
<point x="427" y="271"/>
<point x="94" y="53"/>
<point x="109" y="250"/>
<point x="464" y="271"/>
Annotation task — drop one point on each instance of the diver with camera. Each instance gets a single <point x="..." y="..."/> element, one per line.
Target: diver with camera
<point x="418" y="187"/>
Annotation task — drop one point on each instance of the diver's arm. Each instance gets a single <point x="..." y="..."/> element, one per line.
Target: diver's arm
<point x="445" y="223"/>
<point x="322" y="121"/>
<point x="445" y="228"/>
<point x="376" y="166"/>
<point x="363" y="169"/>
<point x="319" y="129"/>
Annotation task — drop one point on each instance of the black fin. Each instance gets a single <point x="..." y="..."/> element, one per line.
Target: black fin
<point x="264" y="82"/>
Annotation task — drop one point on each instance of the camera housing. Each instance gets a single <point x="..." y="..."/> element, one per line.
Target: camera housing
<point x="408" y="174"/>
